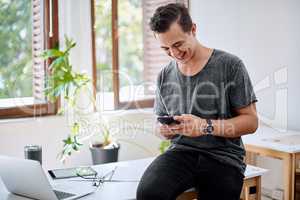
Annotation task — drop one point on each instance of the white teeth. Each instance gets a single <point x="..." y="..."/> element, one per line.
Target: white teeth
<point x="181" y="57"/>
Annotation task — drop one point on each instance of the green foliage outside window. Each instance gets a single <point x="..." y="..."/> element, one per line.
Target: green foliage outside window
<point x="15" y="49"/>
<point x="130" y="32"/>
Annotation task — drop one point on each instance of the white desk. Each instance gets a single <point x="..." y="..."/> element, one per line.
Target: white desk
<point x="280" y="145"/>
<point x="129" y="170"/>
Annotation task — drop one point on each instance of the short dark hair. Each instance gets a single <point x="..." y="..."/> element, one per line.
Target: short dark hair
<point x="164" y="16"/>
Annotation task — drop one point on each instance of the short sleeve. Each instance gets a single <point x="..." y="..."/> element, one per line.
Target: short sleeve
<point x="159" y="108"/>
<point x="241" y="92"/>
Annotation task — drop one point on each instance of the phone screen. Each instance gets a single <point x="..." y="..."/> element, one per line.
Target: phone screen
<point x="167" y="120"/>
<point x="72" y="172"/>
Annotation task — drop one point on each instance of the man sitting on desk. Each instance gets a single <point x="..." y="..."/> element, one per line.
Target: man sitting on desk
<point x="210" y="93"/>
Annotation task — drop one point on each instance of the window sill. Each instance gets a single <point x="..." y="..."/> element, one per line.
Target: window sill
<point x="146" y="111"/>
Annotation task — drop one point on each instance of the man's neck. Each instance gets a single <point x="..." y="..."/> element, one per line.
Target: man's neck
<point x="198" y="61"/>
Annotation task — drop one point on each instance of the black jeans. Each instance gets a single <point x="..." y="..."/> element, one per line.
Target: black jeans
<point x="175" y="171"/>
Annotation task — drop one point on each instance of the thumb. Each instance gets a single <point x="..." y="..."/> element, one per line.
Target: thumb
<point x="179" y="118"/>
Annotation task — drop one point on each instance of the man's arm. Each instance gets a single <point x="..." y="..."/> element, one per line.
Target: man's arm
<point x="245" y="122"/>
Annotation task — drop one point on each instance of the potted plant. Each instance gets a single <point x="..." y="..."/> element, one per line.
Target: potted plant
<point x="66" y="83"/>
<point x="104" y="151"/>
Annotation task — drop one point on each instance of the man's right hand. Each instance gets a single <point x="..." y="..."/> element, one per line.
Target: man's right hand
<point x="164" y="131"/>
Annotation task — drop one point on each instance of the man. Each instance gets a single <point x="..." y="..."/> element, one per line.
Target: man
<point x="209" y="92"/>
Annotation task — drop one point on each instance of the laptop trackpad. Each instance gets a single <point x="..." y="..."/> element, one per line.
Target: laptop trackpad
<point x="76" y="189"/>
<point x="62" y="195"/>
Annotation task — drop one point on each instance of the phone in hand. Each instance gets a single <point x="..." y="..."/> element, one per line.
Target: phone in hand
<point x="168" y="120"/>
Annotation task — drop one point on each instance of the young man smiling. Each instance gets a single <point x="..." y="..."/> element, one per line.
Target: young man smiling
<point x="210" y="93"/>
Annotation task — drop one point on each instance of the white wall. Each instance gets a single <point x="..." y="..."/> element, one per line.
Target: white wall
<point x="265" y="34"/>
<point x="133" y="129"/>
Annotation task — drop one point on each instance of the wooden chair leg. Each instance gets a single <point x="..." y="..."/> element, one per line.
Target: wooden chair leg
<point x="246" y="193"/>
<point x="258" y="188"/>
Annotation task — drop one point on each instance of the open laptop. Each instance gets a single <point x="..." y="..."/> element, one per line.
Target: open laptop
<point x="27" y="178"/>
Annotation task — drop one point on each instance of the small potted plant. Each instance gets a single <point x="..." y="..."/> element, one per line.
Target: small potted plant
<point x="66" y="83"/>
<point x="106" y="150"/>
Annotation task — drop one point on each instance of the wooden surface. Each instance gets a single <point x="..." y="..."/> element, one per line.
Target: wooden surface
<point x="272" y="139"/>
<point x="289" y="166"/>
<point x="285" y="147"/>
<point x="290" y="140"/>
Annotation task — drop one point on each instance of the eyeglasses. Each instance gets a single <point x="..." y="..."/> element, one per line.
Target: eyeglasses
<point x="100" y="180"/>
<point x="97" y="180"/>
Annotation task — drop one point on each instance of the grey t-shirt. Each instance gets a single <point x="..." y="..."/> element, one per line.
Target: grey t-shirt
<point x="220" y="87"/>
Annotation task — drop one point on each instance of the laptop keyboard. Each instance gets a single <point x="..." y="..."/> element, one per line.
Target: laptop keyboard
<point x="62" y="195"/>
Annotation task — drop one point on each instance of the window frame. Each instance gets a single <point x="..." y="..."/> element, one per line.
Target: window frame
<point x="48" y="108"/>
<point x="145" y="103"/>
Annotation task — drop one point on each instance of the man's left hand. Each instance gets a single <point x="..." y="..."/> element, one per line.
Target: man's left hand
<point x="190" y="125"/>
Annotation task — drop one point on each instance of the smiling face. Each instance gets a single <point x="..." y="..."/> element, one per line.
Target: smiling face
<point x="178" y="44"/>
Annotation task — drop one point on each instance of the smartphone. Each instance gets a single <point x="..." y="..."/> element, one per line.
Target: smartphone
<point x="167" y="120"/>
<point x="71" y="172"/>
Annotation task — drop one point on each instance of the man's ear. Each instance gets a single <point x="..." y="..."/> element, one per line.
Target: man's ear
<point x="193" y="30"/>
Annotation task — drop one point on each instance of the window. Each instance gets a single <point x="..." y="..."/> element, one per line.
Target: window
<point x="27" y="27"/>
<point x="126" y="56"/>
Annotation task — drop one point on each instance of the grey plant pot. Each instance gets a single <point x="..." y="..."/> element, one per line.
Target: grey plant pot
<point x="101" y="155"/>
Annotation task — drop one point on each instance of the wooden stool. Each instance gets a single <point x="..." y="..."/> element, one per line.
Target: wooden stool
<point x="251" y="187"/>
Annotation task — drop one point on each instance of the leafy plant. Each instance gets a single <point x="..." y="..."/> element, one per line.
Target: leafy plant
<point x="66" y="83"/>
<point x="63" y="80"/>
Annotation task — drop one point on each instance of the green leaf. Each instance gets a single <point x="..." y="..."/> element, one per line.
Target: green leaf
<point x="75" y="129"/>
<point x="69" y="44"/>
<point x="57" y="63"/>
<point x="52" y="53"/>
<point x="68" y="140"/>
<point x="70" y="144"/>
<point x="54" y="92"/>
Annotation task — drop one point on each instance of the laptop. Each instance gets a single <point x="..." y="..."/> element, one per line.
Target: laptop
<point x="27" y="178"/>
